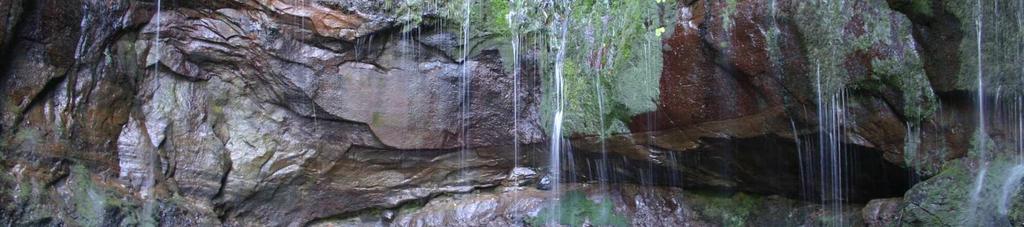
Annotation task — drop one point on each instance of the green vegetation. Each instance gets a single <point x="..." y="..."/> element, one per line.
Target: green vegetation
<point x="732" y="210"/>
<point x="830" y="49"/>
<point x="906" y="75"/>
<point x="613" y="50"/>
<point x="27" y="136"/>
<point x="822" y="22"/>
<point x="89" y="202"/>
<point x="1002" y="43"/>
<point x="981" y="145"/>
<point x="918" y="7"/>
<point x="925" y="163"/>
<point x="575" y="208"/>
<point x="945" y="199"/>
<point x="727" y="22"/>
<point x="410" y="14"/>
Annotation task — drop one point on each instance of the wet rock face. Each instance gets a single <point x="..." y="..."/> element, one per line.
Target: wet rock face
<point x="10" y="12"/>
<point x="293" y="112"/>
<point x="405" y="91"/>
<point x="765" y="165"/>
<point x="63" y="98"/>
<point x="288" y="112"/>
<point x="631" y="204"/>
<point x="747" y="79"/>
<point x="882" y="212"/>
<point x="950" y="32"/>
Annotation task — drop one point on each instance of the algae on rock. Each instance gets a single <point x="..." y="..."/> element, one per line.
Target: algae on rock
<point x="613" y="64"/>
<point x="575" y="208"/>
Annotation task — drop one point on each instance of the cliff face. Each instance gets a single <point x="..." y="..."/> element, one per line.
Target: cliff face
<point x="322" y="112"/>
<point x="243" y="112"/>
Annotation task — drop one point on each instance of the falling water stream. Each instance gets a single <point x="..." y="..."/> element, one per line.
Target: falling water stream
<point x="147" y="185"/>
<point x="82" y="30"/>
<point x="603" y="168"/>
<point x="1012" y="183"/>
<point x="832" y="154"/>
<point x="828" y="166"/>
<point x="980" y="134"/>
<point x="555" y="159"/>
<point x="513" y="19"/>
<point x="146" y="188"/>
<point x="801" y="159"/>
<point x="464" y="96"/>
<point x="1020" y="96"/>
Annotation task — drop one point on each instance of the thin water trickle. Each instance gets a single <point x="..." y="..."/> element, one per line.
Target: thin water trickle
<point x="82" y="30"/>
<point x="1020" y="96"/>
<point x="980" y="135"/>
<point x="464" y="99"/>
<point x="981" y="81"/>
<point x="1010" y="187"/>
<point x="603" y="169"/>
<point x="556" y="128"/>
<point x="513" y="20"/>
<point x="821" y="135"/>
<point x="800" y="160"/>
<point x="832" y="157"/>
<point x="513" y="23"/>
<point x="979" y="184"/>
<point x="146" y="188"/>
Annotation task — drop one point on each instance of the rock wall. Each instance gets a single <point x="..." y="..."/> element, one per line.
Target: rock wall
<point x="241" y="113"/>
<point x="323" y="112"/>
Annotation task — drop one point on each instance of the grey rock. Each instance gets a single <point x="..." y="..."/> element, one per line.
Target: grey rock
<point x="639" y="205"/>
<point x="882" y="212"/>
<point x="545" y="183"/>
<point x="520" y="176"/>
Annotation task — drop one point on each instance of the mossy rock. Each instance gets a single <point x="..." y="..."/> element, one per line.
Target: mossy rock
<point x="957" y="196"/>
<point x="965" y="39"/>
<point x="613" y="59"/>
<point x="726" y="210"/>
<point x="612" y="64"/>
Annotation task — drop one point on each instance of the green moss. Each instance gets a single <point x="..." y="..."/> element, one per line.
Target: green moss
<point x="611" y="68"/>
<point x="409" y="13"/>
<point x="921" y="7"/>
<point x="822" y="23"/>
<point x="945" y="199"/>
<point x="1001" y="45"/>
<point x="27" y="137"/>
<point x="89" y="202"/>
<point x="905" y="74"/>
<point x="575" y="208"/>
<point x="25" y="190"/>
<point x="377" y="119"/>
<point x="613" y="49"/>
<point x="826" y="39"/>
<point x="728" y="210"/>
<point x="949" y="187"/>
<point x="727" y="14"/>
<point x="217" y="110"/>
<point x="981" y="145"/>
<point x="497" y="12"/>
<point x="925" y="163"/>
<point x="827" y="42"/>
